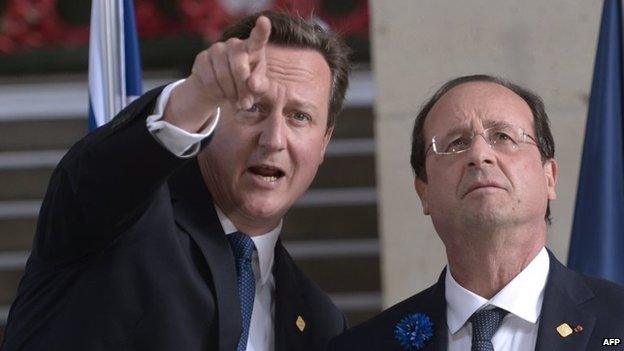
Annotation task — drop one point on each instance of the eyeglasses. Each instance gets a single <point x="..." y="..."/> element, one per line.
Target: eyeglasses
<point x="504" y="137"/>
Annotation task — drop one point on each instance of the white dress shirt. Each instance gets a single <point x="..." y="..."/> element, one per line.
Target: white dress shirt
<point x="180" y="142"/>
<point x="184" y="144"/>
<point x="261" y="331"/>
<point x="522" y="298"/>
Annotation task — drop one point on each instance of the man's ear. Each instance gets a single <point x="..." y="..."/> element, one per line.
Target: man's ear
<point x="421" y="190"/>
<point x="326" y="139"/>
<point x="550" y="171"/>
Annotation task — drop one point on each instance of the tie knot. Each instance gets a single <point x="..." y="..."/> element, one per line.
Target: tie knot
<point x="486" y="322"/>
<point x="242" y="246"/>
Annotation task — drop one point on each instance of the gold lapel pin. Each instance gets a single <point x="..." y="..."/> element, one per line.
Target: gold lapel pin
<point x="300" y="323"/>
<point x="564" y="330"/>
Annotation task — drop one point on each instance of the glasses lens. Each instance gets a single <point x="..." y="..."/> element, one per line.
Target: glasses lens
<point x="457" y="144"/>
<point x="505" y="138"/>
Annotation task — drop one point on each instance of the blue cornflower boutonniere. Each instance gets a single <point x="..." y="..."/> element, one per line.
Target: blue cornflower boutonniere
<point x="413" y="331"/>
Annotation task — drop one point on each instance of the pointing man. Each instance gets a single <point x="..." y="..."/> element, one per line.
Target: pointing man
<point x="159" y="231"/>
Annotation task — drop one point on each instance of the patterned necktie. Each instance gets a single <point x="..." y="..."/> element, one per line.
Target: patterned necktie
<point x="243" y="248"/>
<point x="484" y="325"/>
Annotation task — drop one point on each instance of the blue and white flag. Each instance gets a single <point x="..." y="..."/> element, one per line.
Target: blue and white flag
<point x="114" y="60"/>
<point x="597" y="243"/>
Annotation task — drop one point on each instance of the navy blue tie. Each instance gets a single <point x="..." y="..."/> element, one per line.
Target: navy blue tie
<point x="243" y="248"/>
<point x="484" y="325"/>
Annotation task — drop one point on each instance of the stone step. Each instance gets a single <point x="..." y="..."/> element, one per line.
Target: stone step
<point x="341" y="274"/>
<point x="331" y="222"/>
<point x="65" y="96"/>
<point x="26" y="178"/>
<point x="60" y="134"/>
<point x="8" y="289"/>
<point x="41" y="134"/>
<point x="24" y="184"/>
<point x="301" y="223"/>
<point x="344" y="172"/>
<point x="324" y="197"/>
<point x="16" y="234"/>
<point x="355" y="122"/>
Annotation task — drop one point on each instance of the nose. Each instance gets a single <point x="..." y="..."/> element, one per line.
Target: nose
<point x="272" y="136"/>
<point x="480" y="153"/>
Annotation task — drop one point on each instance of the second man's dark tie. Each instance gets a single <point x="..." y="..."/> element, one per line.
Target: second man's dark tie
<point x="484" y="324"/>
<point x="243" y="248"/>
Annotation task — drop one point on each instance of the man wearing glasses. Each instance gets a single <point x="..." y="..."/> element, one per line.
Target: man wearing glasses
<point x="483" y="159"/>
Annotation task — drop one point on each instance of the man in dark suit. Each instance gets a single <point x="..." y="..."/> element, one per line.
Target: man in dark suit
<point x="159" y="231"/>
<point x="483" y="158"/>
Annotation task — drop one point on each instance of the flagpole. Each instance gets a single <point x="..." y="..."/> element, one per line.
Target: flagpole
<point x="114" y="60"/>
<point x="112" y="56"/>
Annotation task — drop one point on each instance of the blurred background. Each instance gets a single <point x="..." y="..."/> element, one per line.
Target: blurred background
<point x="359" y="231"/>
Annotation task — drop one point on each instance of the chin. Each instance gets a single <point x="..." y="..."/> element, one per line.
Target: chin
<point x="265" y="208"/>
<point x="491" y="218"/>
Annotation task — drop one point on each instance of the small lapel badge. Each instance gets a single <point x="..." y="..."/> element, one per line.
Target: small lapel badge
<point x="300" y="323"/>
<point x="564" y="330"/>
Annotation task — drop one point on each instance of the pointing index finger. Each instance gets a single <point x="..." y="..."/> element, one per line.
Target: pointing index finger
<point x="259" y="35"/>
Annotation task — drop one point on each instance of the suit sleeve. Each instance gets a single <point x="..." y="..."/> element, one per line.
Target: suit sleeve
<point x="102" y="186"/>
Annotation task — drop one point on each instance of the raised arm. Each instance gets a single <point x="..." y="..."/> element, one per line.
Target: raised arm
<point x="107" y="180"/>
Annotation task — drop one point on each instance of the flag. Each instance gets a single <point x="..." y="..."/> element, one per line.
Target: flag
<point x="597" y="243"/>
<point x="114" y="59"/>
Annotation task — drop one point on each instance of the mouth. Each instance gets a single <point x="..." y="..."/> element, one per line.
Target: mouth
<point x="478" y="186"/>
<point x="268" y="173"/>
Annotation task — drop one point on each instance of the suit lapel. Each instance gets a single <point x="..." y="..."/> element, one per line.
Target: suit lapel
<point x="431" y="303"/>
<point x="435" y="307"/>
<point x="565" y="292"/>
<point x="194" y="211"/>
<point x="289" y="304"/>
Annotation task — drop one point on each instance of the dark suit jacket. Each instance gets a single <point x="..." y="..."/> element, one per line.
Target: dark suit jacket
<point x="595" y="304"/>
<point x="129" y="254"/>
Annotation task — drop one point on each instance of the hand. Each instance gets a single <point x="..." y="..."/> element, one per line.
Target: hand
<point x="227" y="72"/>
<point x="235" y="70"/>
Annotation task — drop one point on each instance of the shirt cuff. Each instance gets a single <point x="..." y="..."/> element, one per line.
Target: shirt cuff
<point x="178" y="141"/>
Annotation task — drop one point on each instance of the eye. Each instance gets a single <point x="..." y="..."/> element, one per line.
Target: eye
<point x="301" y="117"/>
<point x="254" y="108"/>
<point x="501" y="137"/>
<point x="458" y="144"/>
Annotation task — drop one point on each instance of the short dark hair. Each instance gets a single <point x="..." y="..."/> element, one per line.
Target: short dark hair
<point x="296" y="32"/>
<point x="541" y="123"/>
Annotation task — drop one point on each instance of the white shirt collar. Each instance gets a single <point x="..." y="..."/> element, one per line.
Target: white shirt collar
<point x="522" y="296"/>
<point x="265" y="244"/>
